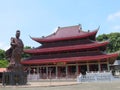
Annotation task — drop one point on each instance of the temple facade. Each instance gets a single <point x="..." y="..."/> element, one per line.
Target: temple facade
<point x="68" y="52"/>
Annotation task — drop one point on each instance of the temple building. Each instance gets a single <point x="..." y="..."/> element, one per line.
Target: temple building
<point x="68" y="52"/>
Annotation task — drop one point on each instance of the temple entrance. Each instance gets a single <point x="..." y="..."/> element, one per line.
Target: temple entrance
<point x="33" y="70"/>
<point x="61" y="71"/>
<point x="43" y="72"/>
<point x="104" y="67"/>
<point x="71" y="71"/>
<point x="51" y="72"/>
<point x="82" y="69"/>
<point x="93" y="67"/>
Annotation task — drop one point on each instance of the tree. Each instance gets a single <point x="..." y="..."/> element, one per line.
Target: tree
<point x="114" y="39"/>
<point x="4" y="62"/>
<point x="102" y="37"/>
<point x="25" y="55"/>
<point x="2" y="54"/>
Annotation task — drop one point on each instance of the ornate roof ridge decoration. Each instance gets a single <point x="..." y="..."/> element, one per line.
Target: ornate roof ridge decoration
<point x="67" y="33"/>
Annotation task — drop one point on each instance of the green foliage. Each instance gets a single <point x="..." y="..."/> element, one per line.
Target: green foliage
<point x="27" y="47"/>
<point x="25" y="55"/>
<point x="2" y="54"/>
<point x="114" y="39"/>
<point x="102" y="37"/>
<point x="3" y="63"/>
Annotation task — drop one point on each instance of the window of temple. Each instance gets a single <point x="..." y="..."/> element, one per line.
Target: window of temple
<point x="93" y="67"/>
<point x="82" y="69"/>
<point x="104" y="67"/>
<point x="71" y="71"/>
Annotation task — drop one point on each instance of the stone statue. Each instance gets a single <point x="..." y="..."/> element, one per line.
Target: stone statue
<point x="14" y="53"/>
<point x="15" y="75"/>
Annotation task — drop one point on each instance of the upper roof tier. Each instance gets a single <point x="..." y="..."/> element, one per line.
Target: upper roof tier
<point x="67" y="33"/>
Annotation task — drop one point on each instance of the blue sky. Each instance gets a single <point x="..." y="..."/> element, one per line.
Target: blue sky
<point x="38" y="18"/>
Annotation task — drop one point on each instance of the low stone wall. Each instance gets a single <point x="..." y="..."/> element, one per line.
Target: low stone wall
<point x="95" y="77"/>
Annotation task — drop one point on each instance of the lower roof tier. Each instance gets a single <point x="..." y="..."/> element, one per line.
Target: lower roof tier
<point x="67" y="54"/>
<point x="111" y="57"/>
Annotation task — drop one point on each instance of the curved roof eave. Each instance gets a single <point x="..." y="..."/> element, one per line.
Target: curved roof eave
<point x="66" y="48"/>
<point x="44" y="39"/>
<point x="71" y="59"/>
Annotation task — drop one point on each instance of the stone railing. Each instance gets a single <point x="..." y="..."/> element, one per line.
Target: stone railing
<point x="95" y="77"/>
<point x="32" y="77"/>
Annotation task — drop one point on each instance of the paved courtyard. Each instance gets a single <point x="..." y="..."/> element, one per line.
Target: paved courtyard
<point x="115" y="85"/>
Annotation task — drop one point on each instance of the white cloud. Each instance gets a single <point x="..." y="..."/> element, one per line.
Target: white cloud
<point x="114" y="16"/>
<point x="3" y="46"/>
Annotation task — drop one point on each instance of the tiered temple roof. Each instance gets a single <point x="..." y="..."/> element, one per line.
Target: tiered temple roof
<point x="67" y="33"/>
<point x="71" y="59"/>
<point x="69" y="44"/>
<point x="67" y="48"/>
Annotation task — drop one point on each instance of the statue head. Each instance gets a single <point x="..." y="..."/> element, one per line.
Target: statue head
<point x="17" y="33"/>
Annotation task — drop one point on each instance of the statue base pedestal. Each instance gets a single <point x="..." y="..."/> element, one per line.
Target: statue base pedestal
<point x="14" y="78"/>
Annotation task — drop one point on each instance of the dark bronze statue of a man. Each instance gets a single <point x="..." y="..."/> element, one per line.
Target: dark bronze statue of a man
<point x="15" y="75"/>
<point x="14" y="52"/>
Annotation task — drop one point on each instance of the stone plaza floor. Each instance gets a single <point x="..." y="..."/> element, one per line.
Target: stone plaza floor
<point x="64" y="85"/>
